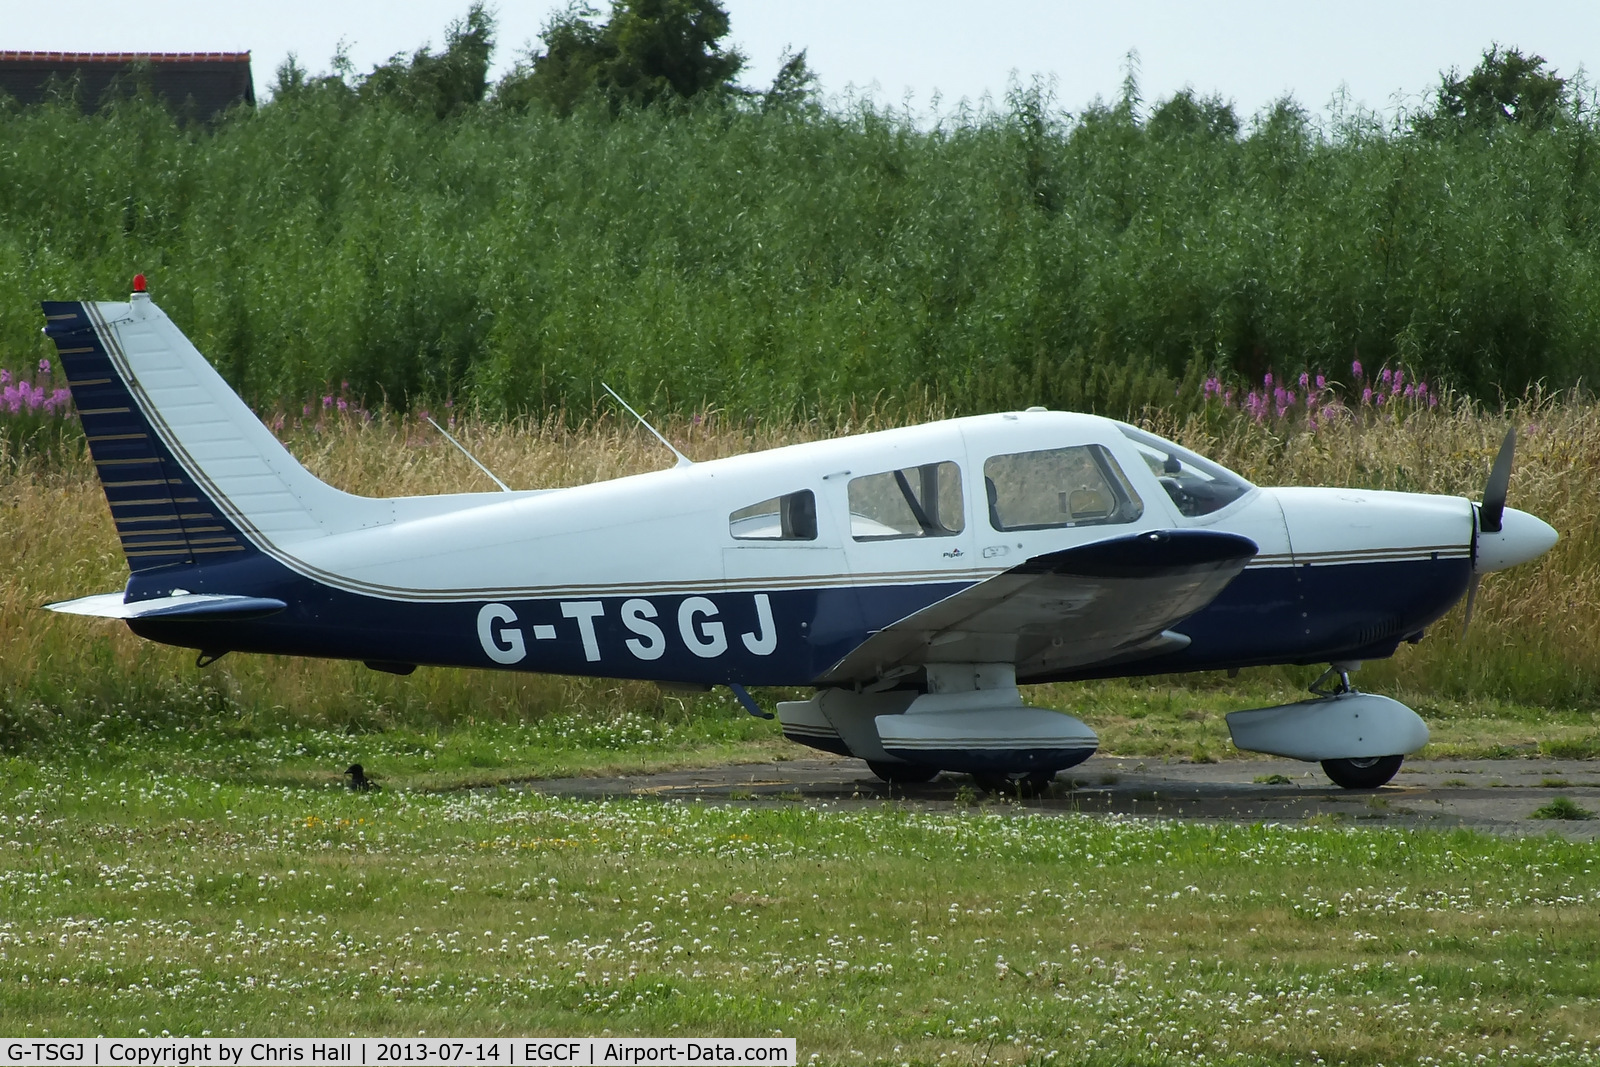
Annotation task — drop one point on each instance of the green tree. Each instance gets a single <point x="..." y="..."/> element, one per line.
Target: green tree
<point x="1505" y="86"/>
<point x="648" y="52"/>
<point x="795" y="84"/>
<point x="1185" y="115"/>
<point x="443" y="84"/>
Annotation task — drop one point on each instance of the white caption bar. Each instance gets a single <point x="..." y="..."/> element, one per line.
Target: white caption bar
<point x="396" y="1052"/>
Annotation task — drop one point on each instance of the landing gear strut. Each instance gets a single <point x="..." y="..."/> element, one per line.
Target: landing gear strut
<point x="1341" y="671"/>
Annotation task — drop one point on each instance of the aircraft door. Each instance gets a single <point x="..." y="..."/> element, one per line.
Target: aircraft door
<point x="908" y="534"/>
<point x="784" y="564"/>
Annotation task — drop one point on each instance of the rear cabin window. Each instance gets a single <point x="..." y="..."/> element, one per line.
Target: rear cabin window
<point x="1077" y="486"/>
<point x="792" y="517"/>
<point x="922" y="501"/>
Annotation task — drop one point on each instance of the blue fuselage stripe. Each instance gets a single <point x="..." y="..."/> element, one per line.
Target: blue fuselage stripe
<point x="790" y="636"/>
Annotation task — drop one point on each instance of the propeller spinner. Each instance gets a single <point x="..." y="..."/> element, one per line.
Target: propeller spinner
<point x="1503" y="537"/>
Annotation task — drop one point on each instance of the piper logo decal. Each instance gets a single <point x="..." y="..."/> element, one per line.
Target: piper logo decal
<point x="700" y="629"/>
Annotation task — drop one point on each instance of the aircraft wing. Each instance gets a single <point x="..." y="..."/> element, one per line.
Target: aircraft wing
<point x="1107" y="601"/>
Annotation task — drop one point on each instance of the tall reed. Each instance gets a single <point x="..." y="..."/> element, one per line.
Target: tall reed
<point x="774" y="262"/>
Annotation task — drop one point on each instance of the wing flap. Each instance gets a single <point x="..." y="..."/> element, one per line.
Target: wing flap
<point x="1108" y="600"/>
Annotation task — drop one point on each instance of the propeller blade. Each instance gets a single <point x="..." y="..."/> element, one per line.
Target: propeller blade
<point x="1494" y="493"/>
<point x="1472" y="596"/>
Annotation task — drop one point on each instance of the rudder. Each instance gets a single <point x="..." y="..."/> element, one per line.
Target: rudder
<point x="162" y="517"/>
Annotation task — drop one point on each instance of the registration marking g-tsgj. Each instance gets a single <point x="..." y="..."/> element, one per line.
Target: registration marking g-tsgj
<point x="699" y="627"/>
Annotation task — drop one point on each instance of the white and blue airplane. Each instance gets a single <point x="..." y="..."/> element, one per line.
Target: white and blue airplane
<point x="913" y="578"/>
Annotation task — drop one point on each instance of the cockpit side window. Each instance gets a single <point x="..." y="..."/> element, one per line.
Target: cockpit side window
<point x="1195" y="484"/>
<point x="1077" y="486"/>
<point x="792" y="517"/>
<point x="923" y="501"/>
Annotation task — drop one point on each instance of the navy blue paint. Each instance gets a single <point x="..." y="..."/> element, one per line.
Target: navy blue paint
<point x="1355" y="608"/>
<point x="1307" y="615"/>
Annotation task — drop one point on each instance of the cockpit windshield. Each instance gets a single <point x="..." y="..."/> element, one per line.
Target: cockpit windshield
<point x="1195" y="484"/>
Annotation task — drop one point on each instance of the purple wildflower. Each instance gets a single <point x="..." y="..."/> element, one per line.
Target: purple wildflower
<point x="1355" y="370"/>
<point x="327" y="402"/>
<point x="1366" y="395"/>
<point x="44" y="366"/>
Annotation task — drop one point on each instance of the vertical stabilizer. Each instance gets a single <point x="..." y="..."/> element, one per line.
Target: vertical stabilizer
<point x="192" y="476"/>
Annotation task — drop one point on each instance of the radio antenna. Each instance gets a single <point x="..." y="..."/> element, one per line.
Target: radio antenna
<point x="503" y="486"/>
<point x="683" y="460"/>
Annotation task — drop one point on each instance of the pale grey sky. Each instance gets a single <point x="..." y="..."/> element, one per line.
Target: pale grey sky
<point x="1249" y="51"/>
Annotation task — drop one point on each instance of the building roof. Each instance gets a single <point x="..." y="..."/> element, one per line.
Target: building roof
<point x="200" y="85"/>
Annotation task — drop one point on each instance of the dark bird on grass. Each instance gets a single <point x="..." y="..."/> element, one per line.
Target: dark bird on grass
<point x="359" y="780"/>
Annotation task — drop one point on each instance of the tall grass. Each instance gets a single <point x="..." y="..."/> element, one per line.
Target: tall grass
<point x="1535" y="639"/>
<point x="776" y="262"/>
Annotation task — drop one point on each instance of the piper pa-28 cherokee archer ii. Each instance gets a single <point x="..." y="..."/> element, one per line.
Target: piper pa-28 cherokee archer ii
<point x="914" y="578"/>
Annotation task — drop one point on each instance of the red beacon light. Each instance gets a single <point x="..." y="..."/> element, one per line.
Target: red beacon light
<point x="139" y="285"/>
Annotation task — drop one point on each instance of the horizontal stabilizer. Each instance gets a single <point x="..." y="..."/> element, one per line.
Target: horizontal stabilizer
<point x="198" y="607"/>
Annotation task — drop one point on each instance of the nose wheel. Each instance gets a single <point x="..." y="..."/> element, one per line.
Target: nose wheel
<point x="1368" y="773"/>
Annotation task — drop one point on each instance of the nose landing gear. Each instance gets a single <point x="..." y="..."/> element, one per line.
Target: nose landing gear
<point x="1366" y="772"/>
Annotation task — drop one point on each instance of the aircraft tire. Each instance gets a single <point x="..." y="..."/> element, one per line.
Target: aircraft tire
<point x="1367" y="773"/>
<point x="902" y="773"/>
<point x="1015" y="783"/>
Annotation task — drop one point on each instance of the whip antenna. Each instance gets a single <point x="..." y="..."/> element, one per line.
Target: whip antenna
<point x="683" y="460"/>
<point x="503" y="486"/>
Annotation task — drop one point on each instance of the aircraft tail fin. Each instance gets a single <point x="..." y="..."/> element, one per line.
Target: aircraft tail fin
<point x="192" y="476"/>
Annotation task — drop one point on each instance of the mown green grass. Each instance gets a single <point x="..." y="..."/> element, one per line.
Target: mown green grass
<point x="216" y="898"/>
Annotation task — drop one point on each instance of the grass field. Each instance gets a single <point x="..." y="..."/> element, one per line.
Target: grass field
<point x="177" y="853"/>
<point x="195" y="890"/>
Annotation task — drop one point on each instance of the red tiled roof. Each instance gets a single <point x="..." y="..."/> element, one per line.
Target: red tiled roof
<point x="129" y="57"/>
